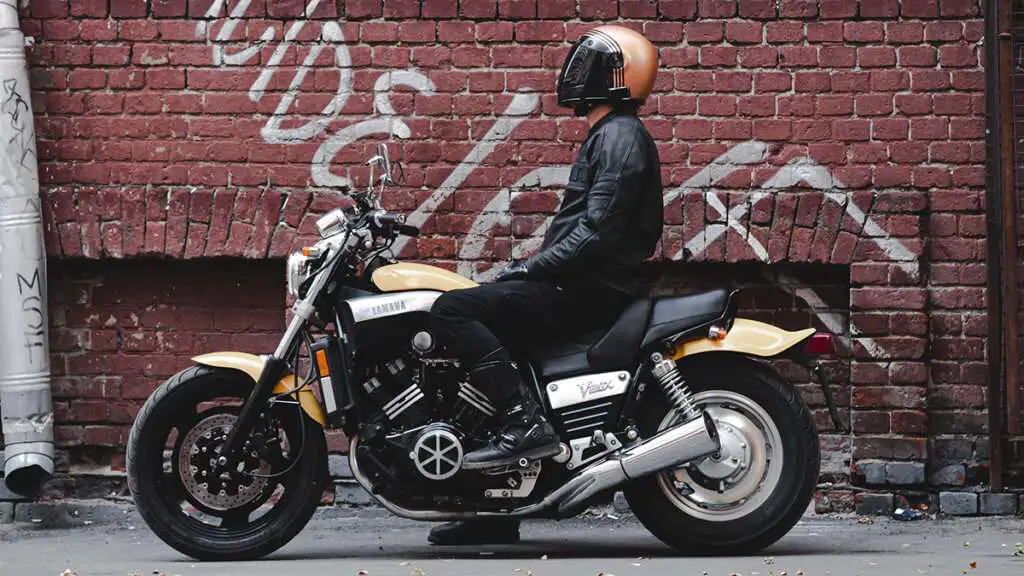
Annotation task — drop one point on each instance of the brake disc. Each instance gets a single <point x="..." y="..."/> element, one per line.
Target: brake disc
<point x="224" y="490"/>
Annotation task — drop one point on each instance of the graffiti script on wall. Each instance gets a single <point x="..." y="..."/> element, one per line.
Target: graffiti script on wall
<point x="386" y="122"/>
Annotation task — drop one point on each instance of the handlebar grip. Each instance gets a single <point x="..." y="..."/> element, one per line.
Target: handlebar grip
<point x="407" y="230"/>
<point x="395" y="222"/>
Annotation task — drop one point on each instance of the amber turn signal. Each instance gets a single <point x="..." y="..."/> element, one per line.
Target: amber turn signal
<point x="716" y="333"/>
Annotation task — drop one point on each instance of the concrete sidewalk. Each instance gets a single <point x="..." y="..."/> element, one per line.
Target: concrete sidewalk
<point x="342" y="541"/>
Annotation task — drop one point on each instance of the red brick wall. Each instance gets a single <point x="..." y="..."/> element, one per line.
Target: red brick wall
<point x="834" y="131"/>
<point x="119" y="328"/>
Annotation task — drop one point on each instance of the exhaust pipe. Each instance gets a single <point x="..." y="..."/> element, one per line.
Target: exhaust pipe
<point x="676" y="446"/>
<point x="670" y="448"/>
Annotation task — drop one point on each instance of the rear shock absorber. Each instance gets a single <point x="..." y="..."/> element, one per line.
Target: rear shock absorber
<point x="671" y="381"/>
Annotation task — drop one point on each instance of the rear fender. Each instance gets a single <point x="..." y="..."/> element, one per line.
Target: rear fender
<point x="746" y="336"/>
<point x="252" y="365"/>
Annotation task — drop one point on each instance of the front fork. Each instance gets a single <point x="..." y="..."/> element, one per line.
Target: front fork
<point x="273" y="369"/>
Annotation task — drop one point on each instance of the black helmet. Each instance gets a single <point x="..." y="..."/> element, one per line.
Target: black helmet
<point x="607" y="65"/>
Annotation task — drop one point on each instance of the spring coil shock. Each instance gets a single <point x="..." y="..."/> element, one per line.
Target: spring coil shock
<point x="671" y="381"/>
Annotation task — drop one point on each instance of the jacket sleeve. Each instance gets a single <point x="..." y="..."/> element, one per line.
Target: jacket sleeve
<point x="617" y="178"/>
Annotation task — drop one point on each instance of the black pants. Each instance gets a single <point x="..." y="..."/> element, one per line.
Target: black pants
<point x="496" y="321"/>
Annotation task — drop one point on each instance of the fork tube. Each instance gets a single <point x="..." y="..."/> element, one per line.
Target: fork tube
<point x="274" y="368"/>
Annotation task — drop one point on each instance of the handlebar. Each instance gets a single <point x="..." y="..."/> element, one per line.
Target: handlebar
<point x="395" y="222"/>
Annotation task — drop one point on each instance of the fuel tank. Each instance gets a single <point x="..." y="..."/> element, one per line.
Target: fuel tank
<point x="410" y="276"/>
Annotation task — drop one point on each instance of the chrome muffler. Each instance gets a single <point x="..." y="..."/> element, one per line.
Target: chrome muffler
<point x="692" y="440"/>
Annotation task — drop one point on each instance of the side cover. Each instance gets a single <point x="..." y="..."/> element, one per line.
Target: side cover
<point x="409" y="276"/>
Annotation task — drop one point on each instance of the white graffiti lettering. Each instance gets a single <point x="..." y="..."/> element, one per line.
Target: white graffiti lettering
<point x="497" y="211"/>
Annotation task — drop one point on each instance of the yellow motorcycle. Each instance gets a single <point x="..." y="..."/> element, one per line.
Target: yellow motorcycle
<point x="672" y="404"/>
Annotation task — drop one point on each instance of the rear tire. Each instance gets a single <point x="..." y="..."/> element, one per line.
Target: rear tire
<point x="160" y="491"/>
<point x="785" y="486"/>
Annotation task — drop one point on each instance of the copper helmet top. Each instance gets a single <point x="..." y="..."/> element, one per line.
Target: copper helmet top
<point x="608" y="64"/>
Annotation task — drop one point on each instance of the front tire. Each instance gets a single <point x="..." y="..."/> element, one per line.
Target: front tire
<point x="760" y="484"/>
<point x="209" y="516"/>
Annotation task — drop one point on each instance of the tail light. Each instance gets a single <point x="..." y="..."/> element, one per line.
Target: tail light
<point x="820" y="344"/>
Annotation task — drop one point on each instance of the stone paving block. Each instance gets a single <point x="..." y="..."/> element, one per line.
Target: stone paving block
<point x="353" y="494"/>
<point x="958" y="503"/>
<point x="952" y="475"/>
<point x="875" y="505"/>
<point x="872" y="470"/>
<point x="904" y="473"/>
<point x="998" y="504"/>
<point x="338" y="466"/>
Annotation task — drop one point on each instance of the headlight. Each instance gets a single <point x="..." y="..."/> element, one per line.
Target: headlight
<point x="331" y="223"/>
<point x="298" y="271"/>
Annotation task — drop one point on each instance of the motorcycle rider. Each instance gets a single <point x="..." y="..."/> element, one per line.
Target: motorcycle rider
<point x="586" y="271"/>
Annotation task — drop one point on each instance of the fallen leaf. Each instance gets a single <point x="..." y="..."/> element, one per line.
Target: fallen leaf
<point x="363" y="573"/>
<point x="865" y="520"/>
<point x="973" y="565"/>
<point x="68" y="573"/>
<point x="799" y="573"/>
<point x="417" y="571"/>
<point x="734" y="574"/>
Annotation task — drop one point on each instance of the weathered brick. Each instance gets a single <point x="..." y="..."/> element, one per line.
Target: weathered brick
<point x="874" y="504"/>
<point x="951" y="475"/>
<point x="997" y="504"/>
<point x="958" y="503"/>
<point x="904" y="473"/>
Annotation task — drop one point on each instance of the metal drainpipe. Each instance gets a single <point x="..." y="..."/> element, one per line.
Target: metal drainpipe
<point x="25" y="401"/>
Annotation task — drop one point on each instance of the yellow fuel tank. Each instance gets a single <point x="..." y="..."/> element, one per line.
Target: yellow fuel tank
<point x="411" y="276"/>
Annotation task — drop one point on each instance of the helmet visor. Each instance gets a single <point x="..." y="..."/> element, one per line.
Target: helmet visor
<point x="576" y="71"/>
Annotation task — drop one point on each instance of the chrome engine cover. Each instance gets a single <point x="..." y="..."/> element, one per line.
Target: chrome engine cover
<point x="437" y="452"/>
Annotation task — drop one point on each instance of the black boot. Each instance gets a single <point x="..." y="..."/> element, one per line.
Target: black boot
<point x="526" y="433"/>
<point x="477" y="531"/>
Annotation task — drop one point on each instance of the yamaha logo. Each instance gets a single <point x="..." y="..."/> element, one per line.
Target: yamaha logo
<point x="388" y="307"/>
<point x="591" y="388"/>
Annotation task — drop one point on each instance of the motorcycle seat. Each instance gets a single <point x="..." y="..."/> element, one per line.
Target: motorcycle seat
<point x="642" y="323"/>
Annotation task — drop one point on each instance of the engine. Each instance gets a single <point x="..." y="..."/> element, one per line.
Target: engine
<point x="431" y="414"/>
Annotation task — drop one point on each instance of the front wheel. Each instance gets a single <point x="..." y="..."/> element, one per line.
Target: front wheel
<point x="755" y="489"/>
<point x="211" y="514"/>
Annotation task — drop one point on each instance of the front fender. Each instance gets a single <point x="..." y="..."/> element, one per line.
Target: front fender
<point x="747" y="337"/>
<point x="253" y="366"/>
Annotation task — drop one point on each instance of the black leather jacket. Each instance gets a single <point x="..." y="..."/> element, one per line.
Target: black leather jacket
<point x="610" y="219"/>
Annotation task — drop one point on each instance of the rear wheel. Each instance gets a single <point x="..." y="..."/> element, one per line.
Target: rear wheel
<point x="756" y="488"/>
<point x="207" y="514"/>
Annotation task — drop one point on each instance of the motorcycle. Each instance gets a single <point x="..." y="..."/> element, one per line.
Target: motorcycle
<point x="674" y="404"/>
